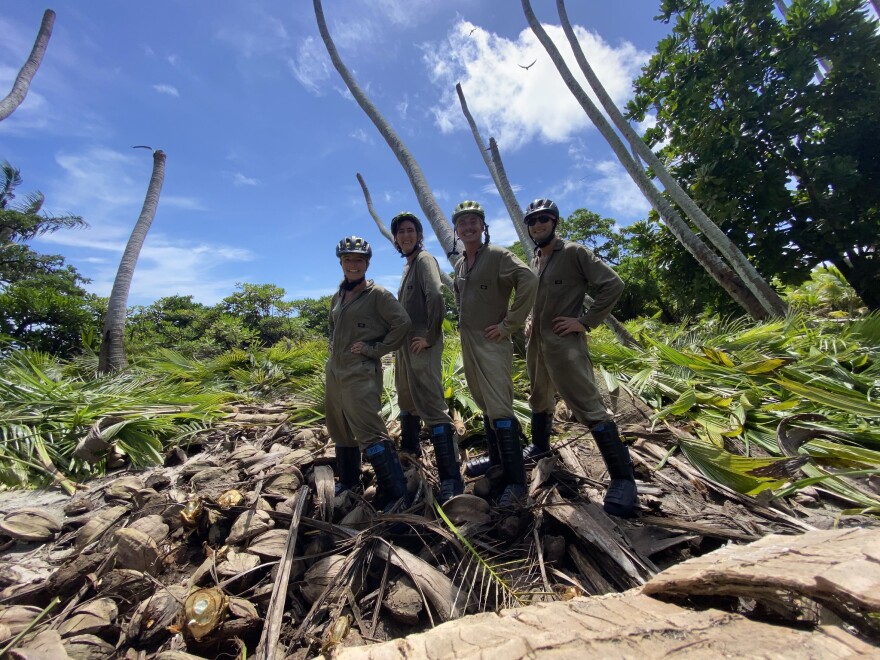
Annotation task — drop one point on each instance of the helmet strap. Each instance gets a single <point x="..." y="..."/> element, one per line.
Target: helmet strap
<point x="350" y="285"/>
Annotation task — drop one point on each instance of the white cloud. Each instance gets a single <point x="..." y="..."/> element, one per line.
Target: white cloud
<point x="517" y="105"/>
<point x="361" y="135"/>
<point x="107" y="188"/>
<point x="311" y="66"/>
<point x="239" y="179"/>
<point x="167" y="89"/>
<point x="173" y="59"/>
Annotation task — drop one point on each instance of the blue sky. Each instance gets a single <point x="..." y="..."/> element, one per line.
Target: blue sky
<point x="264" y="141"/>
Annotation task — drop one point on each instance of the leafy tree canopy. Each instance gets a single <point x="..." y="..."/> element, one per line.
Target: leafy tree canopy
<point x="786" y="160"/>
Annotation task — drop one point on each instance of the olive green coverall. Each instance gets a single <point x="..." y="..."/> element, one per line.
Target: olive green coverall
<point x="562" y="364"/>
<point x="418" y="377"/>
<point x="353" y="393"/>
<point x="483" y="297"/>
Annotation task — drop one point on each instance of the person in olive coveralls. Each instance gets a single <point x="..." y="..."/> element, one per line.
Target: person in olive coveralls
<point x="485" y="276"/>
<point x="418" y="373"/>
<point x="366" y="322"/>
<point x="557" y="357"/>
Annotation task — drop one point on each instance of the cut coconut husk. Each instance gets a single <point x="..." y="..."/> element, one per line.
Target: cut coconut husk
<point x="237" y="563"/>
<point x="269" y="544"/>
<point x="18" y="617"/>
<point x="88" y="647"/>
<point x="299" y="457"/>
<point x="45" y="645"/>
<point x="92" y="618"/>
<point x="243" y="609"/>
<point x="203" y="611"/>
<point x="31" y="525"/>
<point x="243" y="452"/>
<point x="95" y="528"/>
<point x="248" y="525"/>
<point x="207" y="476"/>
<point x="403" y="601"/>
<point x="285" y="484"/>
<point x="150" y="621"/>
<point x="153" y="526"/>
<point x="320" y="575"/>
<point x="467" y="508"/>
<point x="177" y="655"/>
<point x="137" y="550"/>
<point x="124" y="488"/>
<point x="125" y="586"/>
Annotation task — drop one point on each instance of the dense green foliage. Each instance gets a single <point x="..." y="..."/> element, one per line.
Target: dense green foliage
<point x="784" y="158"/>
<point x="42" y="303"/>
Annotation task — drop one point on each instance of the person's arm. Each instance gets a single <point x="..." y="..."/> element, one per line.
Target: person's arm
<point x="435" y="306"/>
<point x="395" y="316"/>
<point x="606" y="287"/>
<point x="525" y="284"/>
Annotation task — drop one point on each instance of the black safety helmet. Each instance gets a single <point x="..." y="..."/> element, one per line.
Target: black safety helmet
<point x="542" y="207"/>
<point x="406" y="215"/>
<point x="468" y="206"/>
<point x="354" y="245"/>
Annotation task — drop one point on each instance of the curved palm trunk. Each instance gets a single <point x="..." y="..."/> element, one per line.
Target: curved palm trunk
<point x="717" y="269"/>
<point x="444" y="277"/>
<point x="23" y="81"/>
<point x="112" y="356"/>
<point x="496" y="171"/>
<point x="439" y="222"/>
<point x="765" y="294"/>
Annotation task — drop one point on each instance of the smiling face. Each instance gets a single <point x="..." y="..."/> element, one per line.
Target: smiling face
<point x="540" y="227"/>
<point x="469" y="227"/>
<point x="407" y="236"/>
<point x="354" y="266"/>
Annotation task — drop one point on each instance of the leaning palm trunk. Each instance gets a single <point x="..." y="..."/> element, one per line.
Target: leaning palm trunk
<point x="499" y="177"/>
<point x="765" y="294"/>
<point x="444" y="277"/>
<point x="112" y="356"/>
<point x="711" y="262"/>
<point x="23" y="81"/>
<point x="427" y="202"/>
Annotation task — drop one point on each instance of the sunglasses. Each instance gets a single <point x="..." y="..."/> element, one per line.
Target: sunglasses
<point x="543" y="218"/>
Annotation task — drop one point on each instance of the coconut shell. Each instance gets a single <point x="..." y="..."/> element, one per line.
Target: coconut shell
<point x="285" y="484"/>
<point x="92" y="618"/>
<point x="248" y="525"/>
<point x="299" y="457"/>
<point x="152" y="617"/>
<point x="88" y="647"/>
<point x="46" y="645"/>
<point x="97" y="526"/>
<point x="32" y="525"/>
<point x="137" y="550"/>
<point x="243" y="452"/>
<point x="270" y="544"/>
<point x="18" y="617"/>
<point x="321" y="574"/>
<point x="230" y="499"/>
<point x="124" y="488"/>
<point x="126" y="586"/>
<point x="243" y="609"/>
<point x="153" y="526"/>
<point x="467" y="508"/>
<point x="237" y="563"/>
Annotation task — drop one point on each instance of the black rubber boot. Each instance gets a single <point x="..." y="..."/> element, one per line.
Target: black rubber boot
<point x="390" y="480"/>
<point x="448" y="467"/>
<point x="477" y="467"/>
<point x="542" y="429"/>
<point x="507" y="431"/>
<point x="622" y="495"/>
<point x="348" y="468"/>
<point x="410" y="427"/>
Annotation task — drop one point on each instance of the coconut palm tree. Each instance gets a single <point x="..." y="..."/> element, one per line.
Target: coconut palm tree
<point x="768" y="297"/>
<point x="427" y="202"/>
<point x="23" y="80"/>
<point x="714" y="265"/>
<point x="112" y="356"/>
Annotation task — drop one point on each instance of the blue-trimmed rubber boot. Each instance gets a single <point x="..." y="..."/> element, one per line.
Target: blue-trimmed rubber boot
<point x="507" y="432"/>
<point x="391" y="492"/>
<point x="348" y="468"/>
<point x="622" y="496"/>
<point x="477" y="467"/>
<point x="542" y="429"/>
<point x="410" y="428"/>
<point x="448" y="466"/>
